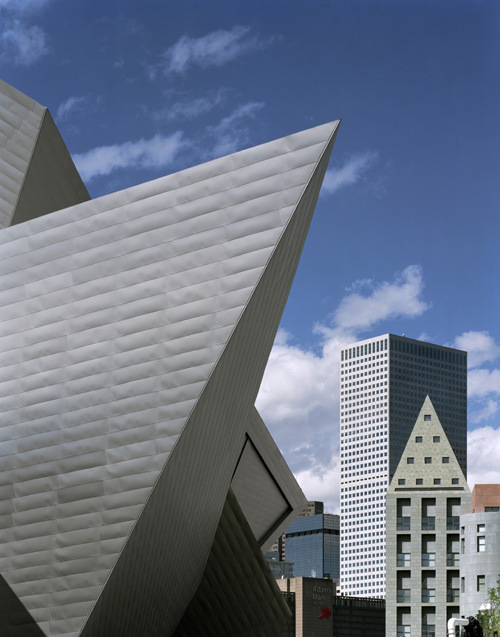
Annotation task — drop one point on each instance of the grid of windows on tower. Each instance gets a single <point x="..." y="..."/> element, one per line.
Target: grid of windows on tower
<point x="383" y="384"/>
<point x="364" y="469"/>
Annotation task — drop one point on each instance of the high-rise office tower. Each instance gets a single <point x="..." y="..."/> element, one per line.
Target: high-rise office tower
<point x="383" y="383"/>
<point x="312" y="545"/>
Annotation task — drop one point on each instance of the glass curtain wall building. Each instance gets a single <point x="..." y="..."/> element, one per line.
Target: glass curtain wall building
<point x="383" y="384"/>
<point x="312" y="544"/>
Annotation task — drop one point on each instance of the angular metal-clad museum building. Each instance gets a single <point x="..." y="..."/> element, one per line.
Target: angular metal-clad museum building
<point x="138" y="483"/>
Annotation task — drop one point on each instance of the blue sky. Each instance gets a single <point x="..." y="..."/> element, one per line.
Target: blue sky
<point x="406" y="232"/>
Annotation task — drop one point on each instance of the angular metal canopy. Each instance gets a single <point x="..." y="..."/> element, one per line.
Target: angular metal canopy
<point x="134" y="334"/>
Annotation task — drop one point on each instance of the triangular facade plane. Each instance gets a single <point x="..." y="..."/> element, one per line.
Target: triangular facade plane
<point x="134" y="334"/>
<point x="428" y="459"/>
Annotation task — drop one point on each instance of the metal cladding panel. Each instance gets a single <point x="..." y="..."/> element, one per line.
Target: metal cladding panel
<point x="163" y="560"/>
<point x="260" y="497"/>
<point x="51" y="181"/>
<point x="238" y="595"/>
<point x="274" y="523"/>
<point x="20" y="121"/>
<point x="265" y="487"/>
<point x="115" y="315"/>
<point x="37" y="174"/>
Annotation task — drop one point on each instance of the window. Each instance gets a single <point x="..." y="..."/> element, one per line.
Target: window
<point x="462" y="585"/>
<point x="427" y="417"/>
<point x="403" y="591"/>
<point x="446" y="460"/>
<point x="428" y="586"/>
<point x="491" y="509"/>
<point x="429" y="559"/>
<point x="428" y="460"/>
<point x="403" y="514"/>
<point x="453" y="509"/>
<point x="481" y="528"/>
<point x="481" y="543"/>
<point x="428" y="514"/>
<point x="410" y="460"/>
<point x="481" y="583"/>
<point x="454" y="481"/>
<point x="401" y="481"/>
<point x="436" y="438"/>
<point x="419" y="439"/>
<point x="437" y="480"/>
<point x="403" y="550"/>
<point x="419" y="481"/>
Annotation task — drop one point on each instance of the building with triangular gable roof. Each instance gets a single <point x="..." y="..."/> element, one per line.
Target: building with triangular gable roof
<point x="425" y="499"/>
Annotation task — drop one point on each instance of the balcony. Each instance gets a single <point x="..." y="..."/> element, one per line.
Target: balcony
<point x="403" y="559"/>
<point x="428" y="559"/>
<point x="452" y="595"/>
<point x="452" y="559"/>
<point x="428" y="524"/>
<point x="453" y="523"/>
<point x="428" y="595"/>
<point x="403" y="595"/>
<point x="403" y="524"/>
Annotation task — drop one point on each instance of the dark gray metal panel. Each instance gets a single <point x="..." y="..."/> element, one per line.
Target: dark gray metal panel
<point x="115" y="313"/>
<point x="278" y="468"/>
<point x="19" y="622"/>
<point x="51" y="181"/>
<point x="238" y="596"/>
<point x="37" y="174"/>
<point x="258" y="493"/>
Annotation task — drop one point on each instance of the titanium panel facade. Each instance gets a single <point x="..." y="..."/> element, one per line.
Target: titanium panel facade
<point x="134" y="334"/>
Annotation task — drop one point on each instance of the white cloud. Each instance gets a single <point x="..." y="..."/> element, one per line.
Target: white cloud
<point x="191" y="108"/>
<point x="232" y="133"/>
<point x="487" y="412"/>
<point x="70" y="105"/>
<point x="22" y="6"/>
<point x="482" y="382"/>
<point x="350" y="173"/>
<point x="159" y="151"/>
<point x="246" y="110"/>
<point x="483" y="452"/>
<point x="480" y="346"/>
<point x="322" y="484"/>
<point x="214" y="49"/>
<point x="21" y="44"/>
<point x="297" y="383"/>
<point x="424" y="337"/>
<point x="483" y="385"/>
<point x="402" y="297"/>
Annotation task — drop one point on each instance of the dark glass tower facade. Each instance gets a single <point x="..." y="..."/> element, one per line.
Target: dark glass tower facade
<point x="312" y="545"/>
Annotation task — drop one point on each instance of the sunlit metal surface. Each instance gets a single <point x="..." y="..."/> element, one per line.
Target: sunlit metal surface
<point x="134" y="334"/>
